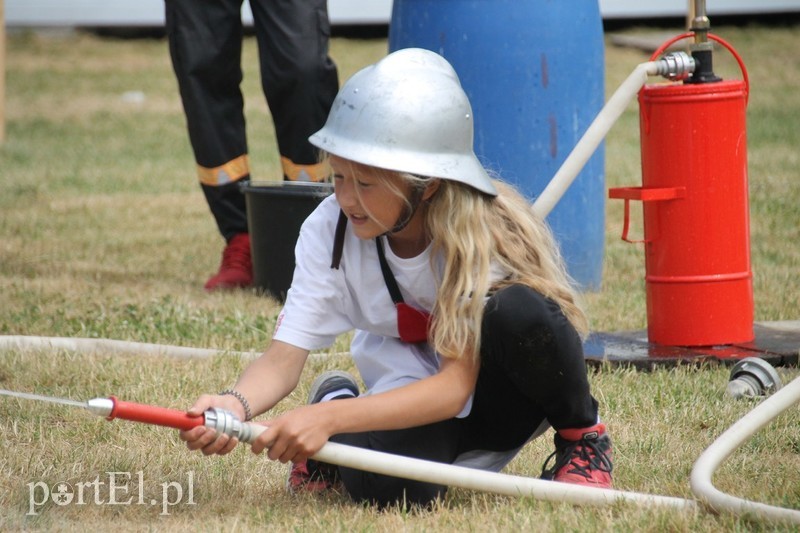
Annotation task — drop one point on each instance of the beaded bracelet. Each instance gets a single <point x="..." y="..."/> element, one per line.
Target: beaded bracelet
<point x="248" y="414"/>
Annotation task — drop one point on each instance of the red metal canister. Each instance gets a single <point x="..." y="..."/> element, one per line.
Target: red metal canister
<point x="696" y="213"/>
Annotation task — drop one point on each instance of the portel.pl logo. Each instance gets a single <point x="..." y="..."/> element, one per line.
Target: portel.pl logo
<point x="118" y="488"/>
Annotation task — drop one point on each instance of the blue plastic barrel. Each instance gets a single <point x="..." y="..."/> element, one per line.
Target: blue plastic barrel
<point x="534" y="71"/>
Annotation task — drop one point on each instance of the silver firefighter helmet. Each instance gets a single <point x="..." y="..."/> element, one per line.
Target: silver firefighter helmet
<point x="407" y="113"/>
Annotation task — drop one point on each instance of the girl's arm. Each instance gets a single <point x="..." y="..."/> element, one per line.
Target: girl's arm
<point x="265" y="382"/>
<point x="300" y="433"/>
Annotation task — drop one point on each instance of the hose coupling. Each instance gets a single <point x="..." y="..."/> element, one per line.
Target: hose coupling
<point x="223" y="421"/>
<point x="676" y="66"/>
<point x="752" y="377"/>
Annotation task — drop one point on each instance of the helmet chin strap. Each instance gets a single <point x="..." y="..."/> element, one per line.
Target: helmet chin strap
<point x="414" y="201"/>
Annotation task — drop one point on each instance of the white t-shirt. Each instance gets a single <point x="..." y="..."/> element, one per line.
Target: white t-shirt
<point x="323" y="303"/>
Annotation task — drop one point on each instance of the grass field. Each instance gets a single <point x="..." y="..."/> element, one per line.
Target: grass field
<point x="105" y="234"/>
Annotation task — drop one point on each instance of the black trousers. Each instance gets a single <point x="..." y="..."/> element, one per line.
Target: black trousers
<point x="532" y="369"/>
<point x="298" y="78"/>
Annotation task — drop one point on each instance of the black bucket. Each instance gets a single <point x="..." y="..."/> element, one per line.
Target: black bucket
<point x="275" y="212"/>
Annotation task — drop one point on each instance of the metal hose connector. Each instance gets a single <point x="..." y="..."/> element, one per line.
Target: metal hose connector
<point x="223" y="421"/>
<point x="676" y="66"/>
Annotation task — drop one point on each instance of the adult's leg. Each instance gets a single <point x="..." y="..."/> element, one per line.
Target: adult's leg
<point x="205" y="43"/>
<point x="299" y="78"/>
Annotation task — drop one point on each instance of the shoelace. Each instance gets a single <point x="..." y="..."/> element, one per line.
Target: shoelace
<point x="578" y="456"/>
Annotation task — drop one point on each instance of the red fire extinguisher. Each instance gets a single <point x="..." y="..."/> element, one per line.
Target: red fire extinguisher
<point x="695" y="205"/>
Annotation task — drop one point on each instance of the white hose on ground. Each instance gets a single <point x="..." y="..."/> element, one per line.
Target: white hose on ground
<point x="594" y="135"/>
<point x="730" y="440"/>
<point x="480" y="480"/>
<point x="116" y="347"/>
<point x="108" y="346"/>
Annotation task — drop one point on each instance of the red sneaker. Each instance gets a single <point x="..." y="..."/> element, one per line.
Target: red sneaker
<point x="236" y="269"/>
<point x="582" y="456"/>
<point x="312" y="475"/>
<point x="319" y="480"/>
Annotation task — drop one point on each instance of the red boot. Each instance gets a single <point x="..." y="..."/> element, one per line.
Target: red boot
<point x="582" y="456"/>
<point x="236" y="269"/>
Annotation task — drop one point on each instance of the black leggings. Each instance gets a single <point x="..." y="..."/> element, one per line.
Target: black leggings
<point x="532" y="369"/>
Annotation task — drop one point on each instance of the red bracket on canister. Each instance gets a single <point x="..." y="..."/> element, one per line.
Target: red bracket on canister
<point x="642" y="194"/>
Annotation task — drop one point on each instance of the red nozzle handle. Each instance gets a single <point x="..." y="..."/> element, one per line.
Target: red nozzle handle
<point x="150" y="414"/>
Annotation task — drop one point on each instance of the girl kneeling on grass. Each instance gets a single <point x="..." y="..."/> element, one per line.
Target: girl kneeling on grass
<point x="467" y="331"/>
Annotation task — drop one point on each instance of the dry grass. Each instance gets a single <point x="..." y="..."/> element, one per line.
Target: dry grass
<point x="105" y="234"/>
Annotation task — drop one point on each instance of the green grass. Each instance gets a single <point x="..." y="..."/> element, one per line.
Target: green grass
<point x="105" y="234"/>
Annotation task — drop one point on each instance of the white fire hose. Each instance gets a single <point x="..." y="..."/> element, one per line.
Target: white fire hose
<point x="730" y="440"/>
<point x="473" y="479"/>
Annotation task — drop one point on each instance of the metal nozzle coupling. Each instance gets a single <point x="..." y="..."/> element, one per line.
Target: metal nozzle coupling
<point x="676" y="66"/>
<point x="753" y="377"/>
<point x="226" y="422"/>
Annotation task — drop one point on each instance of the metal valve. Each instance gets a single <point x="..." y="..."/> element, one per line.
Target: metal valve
<point x="753" y="377"/>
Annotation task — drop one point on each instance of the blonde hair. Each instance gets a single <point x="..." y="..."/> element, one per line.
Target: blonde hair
<point x="470" y="231"/>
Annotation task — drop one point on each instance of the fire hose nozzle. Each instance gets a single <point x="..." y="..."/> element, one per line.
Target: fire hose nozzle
<point x="219" y="420"/>
<point x="676" y="66"/>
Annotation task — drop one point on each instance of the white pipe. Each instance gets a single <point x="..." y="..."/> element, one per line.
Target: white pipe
<point x="710" y="460"/>
<point x="23" y="342"/>
<point x="481" y="480"/>
<point x="586" y="146"/>
<point x="474" y="479"/>
<point x="108" y="346"/>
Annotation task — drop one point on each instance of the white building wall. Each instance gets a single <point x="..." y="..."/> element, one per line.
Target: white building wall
<point x="151" y="12"/>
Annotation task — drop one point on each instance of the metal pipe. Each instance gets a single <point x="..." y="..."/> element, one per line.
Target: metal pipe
<point x="699" y="23"/>
<point x="702" y="48"/>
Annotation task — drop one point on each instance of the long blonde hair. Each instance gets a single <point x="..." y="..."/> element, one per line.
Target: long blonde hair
<point x="470" y="231"/>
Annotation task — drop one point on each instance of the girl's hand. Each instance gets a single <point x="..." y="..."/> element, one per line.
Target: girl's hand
<point x="206" y="439"/>
<point x="295" y="436"/>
